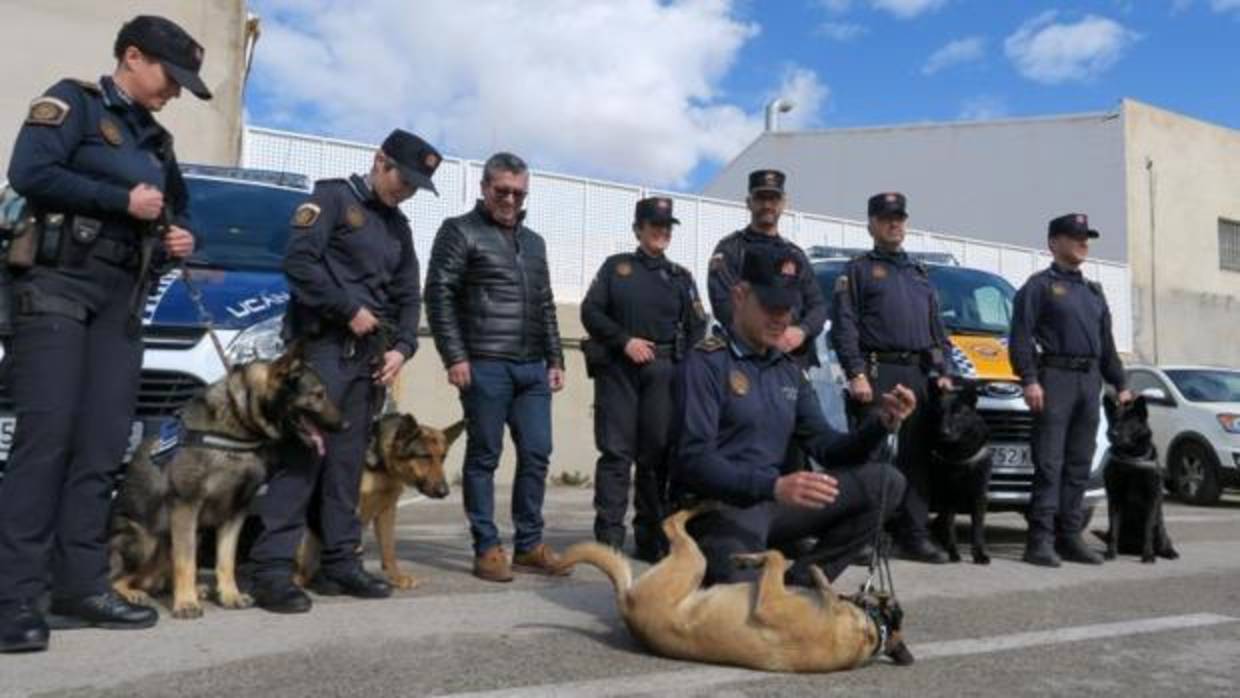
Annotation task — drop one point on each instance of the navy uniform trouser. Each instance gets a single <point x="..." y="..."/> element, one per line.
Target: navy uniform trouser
<point x="321" y="491"/>
<point x="1065" y="435"/>
<point x="842" y="528"/>
<point x="913" y="451"/>
<point x="632" y="425"/>
<point x="74" y="385"/>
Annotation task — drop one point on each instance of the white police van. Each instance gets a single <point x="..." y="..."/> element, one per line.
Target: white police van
<point x="241" y="225"/>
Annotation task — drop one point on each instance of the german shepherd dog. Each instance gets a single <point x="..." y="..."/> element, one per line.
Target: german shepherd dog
<point x="228" y="435"/>
<point x="402" y="454"/>
<point x="1134" y="485"/>
<point x="760" y="625"/>
<point x="960" y="469"/>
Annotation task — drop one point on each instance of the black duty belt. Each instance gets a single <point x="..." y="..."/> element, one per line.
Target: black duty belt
<point x="122" y="254"/>
<point x="665" y="350"/>
<point x="1083" y="364"/>
<point x="34" y="302"/>
<point x="900" y="358"/>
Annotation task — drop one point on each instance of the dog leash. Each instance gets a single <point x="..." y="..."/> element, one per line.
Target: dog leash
<point x="879" y="580"/>
<point x="204" y="315"/>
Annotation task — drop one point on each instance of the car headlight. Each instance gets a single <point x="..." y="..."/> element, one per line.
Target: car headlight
<point x="1230" y="423"/>
<point x="258" y="342"/>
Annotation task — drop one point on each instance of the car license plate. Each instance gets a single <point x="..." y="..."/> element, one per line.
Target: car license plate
<point x="8" y="423"/>
<point x="1011" y="456"/>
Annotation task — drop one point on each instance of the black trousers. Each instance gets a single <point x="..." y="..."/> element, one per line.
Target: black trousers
<point x="842" y="528"/>
<point x="1064" y="438"/>
<point x="914" y="440"/>
<point x="74" y="384"/>
<point x="321" y="492"/>
<point x="632" y="425"/>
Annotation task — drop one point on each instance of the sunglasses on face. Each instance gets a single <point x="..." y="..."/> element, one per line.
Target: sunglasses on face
<point x="505" y="192"/>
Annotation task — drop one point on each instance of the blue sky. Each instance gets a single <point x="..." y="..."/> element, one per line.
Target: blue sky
<point x="664" y="93"/>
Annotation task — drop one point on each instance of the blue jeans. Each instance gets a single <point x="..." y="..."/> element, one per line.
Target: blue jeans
<point x="515" y="393"/>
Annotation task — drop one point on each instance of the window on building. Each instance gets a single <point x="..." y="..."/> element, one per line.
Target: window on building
<point x="1228" y="244"/>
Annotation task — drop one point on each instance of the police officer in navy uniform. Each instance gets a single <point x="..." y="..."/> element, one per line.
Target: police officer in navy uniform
<point x="642" y="313"/>
<point x="356" y="301"/>
<point x="740" y="400"/>
<point x="886" y="331"/>
<point x="1062" y="348"/>
<point x="98" y="173"/>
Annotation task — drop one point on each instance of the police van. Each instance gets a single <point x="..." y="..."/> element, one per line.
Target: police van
<point x="240" y="220"/>
<point x="976" y="307"/>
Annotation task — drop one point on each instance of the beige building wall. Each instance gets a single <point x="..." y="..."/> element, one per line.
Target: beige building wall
<point x="1186" y="309"/>
<point x="45" y="40"/>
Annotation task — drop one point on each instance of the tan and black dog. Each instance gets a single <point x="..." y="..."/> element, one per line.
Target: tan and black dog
<point x="209" y="480"/>
<point x="402" y="454"/>
<point x="760" y="625"/>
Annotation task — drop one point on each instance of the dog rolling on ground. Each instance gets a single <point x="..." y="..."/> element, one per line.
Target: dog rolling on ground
<point x="402" y="454"/>
<point x="760" y="625"/>
<point x="960" y="473"/>
<point x="210" y="480"/>
<point x="1134" y="486"/>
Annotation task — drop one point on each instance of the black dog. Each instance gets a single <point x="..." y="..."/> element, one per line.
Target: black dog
<point x="960" y="471"/>
<point x="1134" y="485"/>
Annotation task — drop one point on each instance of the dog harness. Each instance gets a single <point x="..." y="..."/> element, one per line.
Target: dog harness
<point x="173" y="436"/>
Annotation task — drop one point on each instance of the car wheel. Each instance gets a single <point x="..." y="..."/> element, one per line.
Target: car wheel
<point x="1194" y="474"/>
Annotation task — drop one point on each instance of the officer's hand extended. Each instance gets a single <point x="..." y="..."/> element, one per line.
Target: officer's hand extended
<point x="363" y="322"/>
<point x="897" y="404"/>
<point x="555" y="378"/>
<point x="459" y="375"/>
<point x="806" y="489"/>
<point x="792" y="339"/>
<point x="859" y="388"/>
<point x="1125" y="396"/>
<point x="178" y="242"/>
<point x="145" y="202"/>
<point x="392" y="361"/>
<point x="639" y="351"/>
<point x="1034" y="397"/>
<point x="945" y="383"/>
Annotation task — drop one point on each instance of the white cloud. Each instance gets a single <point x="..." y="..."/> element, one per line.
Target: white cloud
<point x="983" y="108"/>
<point x="1225" y="5"/>
<point x="907" y="9"/>
<point x="1051" y="52"/>
<point x="623" y="90"/>
<point x="954" y="53"/>
<point x="841" y="31"/>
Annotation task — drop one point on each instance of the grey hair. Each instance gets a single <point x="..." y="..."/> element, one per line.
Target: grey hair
<point x="503" y="162"/>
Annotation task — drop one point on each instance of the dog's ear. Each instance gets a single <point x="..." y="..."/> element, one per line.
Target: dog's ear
<point x="408" y="429"/>
<point x="1111" y="406"/>
<point x="288" y="362"/>
<point x="454" y="431"/>
<point x="1139" y="407"/>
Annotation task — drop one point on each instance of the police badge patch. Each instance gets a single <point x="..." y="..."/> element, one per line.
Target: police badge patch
<point x="110" y="132"/>
<point x="716" y="262"/>
<point x="306" y="215"/>
<point x="355" y="216"/>
<point x="47" y="111"/>
<point x="624" y="269"/>
<point x="1059" y="289"/>
<point x="841" y="283"/>
<point x="739" y="383"/>
<point x="879" y="271"/>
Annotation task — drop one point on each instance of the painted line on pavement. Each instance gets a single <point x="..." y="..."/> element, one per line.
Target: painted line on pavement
<point x="409" y="500"/>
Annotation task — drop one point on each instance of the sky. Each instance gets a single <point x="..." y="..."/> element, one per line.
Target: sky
<point x="664" y="93"/>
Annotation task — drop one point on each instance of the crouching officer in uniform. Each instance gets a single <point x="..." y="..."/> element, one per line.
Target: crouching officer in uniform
<point x="642" y="313"/>
<point x="106" y="206"/>
<point x="356" y="302"/>
<point x="887" y="331"/>
<point x="1062" y="349"/>
<point x="741" y="400"/>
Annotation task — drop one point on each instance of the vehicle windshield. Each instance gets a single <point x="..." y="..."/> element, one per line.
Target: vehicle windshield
<point x="1202" y="385"/>
<point x="971" y="301"/>
<point x="240" y="225"/>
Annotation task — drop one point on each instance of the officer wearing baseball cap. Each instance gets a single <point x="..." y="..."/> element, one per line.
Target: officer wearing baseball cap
<point x="356" y="301"/>
<point x="642" y="313"/>
<point x="887" y="331"/>
<point x="108" y="205"/>
<point x="1062" y="348"/>
<point x="739" y="401"/>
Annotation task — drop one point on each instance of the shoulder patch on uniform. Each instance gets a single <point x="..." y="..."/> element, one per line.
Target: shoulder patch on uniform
<point x="47" y="111"/>
<point x="841" y="283"/>
<point x="88" y="85"/>
<point x="306" y="215"/>
<point x="624" y="268"/>
<point x="355" y="216"/>
<point x="716" y="261"/>
<point x="712" y="343"/>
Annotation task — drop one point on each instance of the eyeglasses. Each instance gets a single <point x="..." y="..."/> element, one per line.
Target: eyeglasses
<point x="505" y="192"/>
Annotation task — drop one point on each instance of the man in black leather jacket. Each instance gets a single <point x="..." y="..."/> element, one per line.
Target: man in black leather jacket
<point x="490" y="308"/>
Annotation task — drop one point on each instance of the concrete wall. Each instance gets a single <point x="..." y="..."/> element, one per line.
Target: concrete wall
<point x="999" y="181"/>
<point x="1195" y="169"/>
<point x="44" y="41"/>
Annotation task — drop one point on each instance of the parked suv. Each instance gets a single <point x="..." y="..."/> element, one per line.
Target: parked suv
<point x="976" y="307"/>
<point x="241" y="224"/>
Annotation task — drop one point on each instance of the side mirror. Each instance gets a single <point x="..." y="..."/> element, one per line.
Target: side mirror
<point x="1157" y="396"/>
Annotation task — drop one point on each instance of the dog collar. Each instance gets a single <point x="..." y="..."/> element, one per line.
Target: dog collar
<point x="205" y="439"/>
<point x="971" y="460"/>
<point x="1147" y="459"/>
<point x="876" y="618"/>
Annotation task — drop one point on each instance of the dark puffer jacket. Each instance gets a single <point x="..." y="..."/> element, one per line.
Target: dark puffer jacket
<point x="487" y="297"/>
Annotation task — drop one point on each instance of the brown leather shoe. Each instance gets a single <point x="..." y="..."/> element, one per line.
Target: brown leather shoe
<point x="492" y="565"/>
<point x="541" y="559"/>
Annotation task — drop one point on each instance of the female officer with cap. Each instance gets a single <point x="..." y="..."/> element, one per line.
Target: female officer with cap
<point x="98" y="172"/>
<point x="642" y="312"/>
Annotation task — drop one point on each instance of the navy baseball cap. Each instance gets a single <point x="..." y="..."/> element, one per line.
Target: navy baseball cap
<point x="766" y="180"/>
<point x="888" y="203"/>
<point x="165" y="41"/>
<point x="655" y="209"/>
<point x="415" y="158"/>
<point x="1073" y="224"/>
<point x="774" y="275"/>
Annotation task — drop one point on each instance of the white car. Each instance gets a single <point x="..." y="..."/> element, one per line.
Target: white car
<point x="1195" y="417"/>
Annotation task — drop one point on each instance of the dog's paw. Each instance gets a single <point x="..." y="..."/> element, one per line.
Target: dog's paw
<point x="1149" y="558"/>
<point x="953" y="555"/>
<point x="980" y="558"/>
<point x="1109" y="555"/>
<point x="187" y="610"/>
<point x="235" y="600"/>
<point x="404" y="582"/>
<point x="1169" y="554"/>
<point x="136" y="597"/>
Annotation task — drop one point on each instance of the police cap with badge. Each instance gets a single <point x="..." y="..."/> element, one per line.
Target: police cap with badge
<point x="889" y="204"/>
<point x="774" y="276"/>
<point x="767" y="181"/>
<point x="416" y="159"/>
<point x="654" y="209"/>
<point x="165" y="41"/>
<point x="1073" y="225"/>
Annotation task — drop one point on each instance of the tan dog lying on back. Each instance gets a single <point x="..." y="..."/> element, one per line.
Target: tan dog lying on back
<point x="760" y="625"/>
<point x="402" y="454"/>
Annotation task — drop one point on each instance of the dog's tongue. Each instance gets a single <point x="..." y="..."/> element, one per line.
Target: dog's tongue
<point x="316" y="436"/>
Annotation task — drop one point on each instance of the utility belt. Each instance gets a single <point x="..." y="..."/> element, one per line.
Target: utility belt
<point x="1083" y="364"/>
<point x="874" y="359"/>
<point x="598" y="356"/>
<point x="60" y="240"/>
